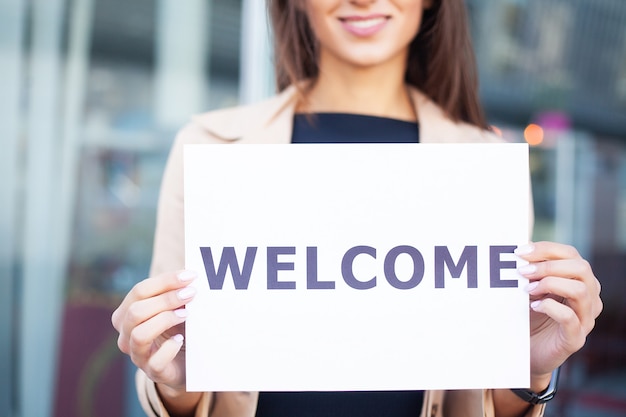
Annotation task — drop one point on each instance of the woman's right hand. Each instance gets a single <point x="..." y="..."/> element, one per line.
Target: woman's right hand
<point x="150" y="323"/>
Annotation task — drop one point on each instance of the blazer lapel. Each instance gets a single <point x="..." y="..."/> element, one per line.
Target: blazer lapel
<point x="437" y="127"/>
<point x="269" y="121"/>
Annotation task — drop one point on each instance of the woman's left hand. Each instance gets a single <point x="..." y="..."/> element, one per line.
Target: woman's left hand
<point x="565" y="302"/>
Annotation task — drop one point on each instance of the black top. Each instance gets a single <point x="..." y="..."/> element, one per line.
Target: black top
<point x="345" y="128"/>
<point x="352" y="128"/>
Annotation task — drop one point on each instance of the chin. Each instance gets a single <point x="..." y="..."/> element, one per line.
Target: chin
<point x="373" y="60"/>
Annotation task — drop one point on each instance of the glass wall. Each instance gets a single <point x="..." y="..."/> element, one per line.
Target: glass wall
<point x="93" y="91"/>
<point x="553" y="73"/>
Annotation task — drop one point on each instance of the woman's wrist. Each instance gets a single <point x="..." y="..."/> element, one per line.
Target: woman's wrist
<point x="539" y="383"/>
<point x="178" y="401"/>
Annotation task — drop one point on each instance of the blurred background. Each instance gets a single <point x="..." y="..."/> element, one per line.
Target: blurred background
<point x="93" y="91"/>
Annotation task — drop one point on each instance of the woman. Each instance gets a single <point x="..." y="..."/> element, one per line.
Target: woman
<point x="401" y="66"/>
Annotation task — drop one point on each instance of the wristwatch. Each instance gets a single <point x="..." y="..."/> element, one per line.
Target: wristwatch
<point x="544" y="396"/>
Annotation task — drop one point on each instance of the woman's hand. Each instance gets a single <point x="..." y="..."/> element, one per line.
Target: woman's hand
<point x="150" y="323"/>
<point x="565" y="302"/>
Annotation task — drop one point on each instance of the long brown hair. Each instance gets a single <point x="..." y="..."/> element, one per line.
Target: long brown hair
<point x="441" y="59"/>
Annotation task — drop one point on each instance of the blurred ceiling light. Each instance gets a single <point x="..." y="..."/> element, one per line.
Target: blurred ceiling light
<point x="533" y="134"/>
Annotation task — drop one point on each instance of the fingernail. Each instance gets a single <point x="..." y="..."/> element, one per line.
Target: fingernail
<point x="535" y="305"/>
<point x="527" y="269"/>
<point x="186" y="275"/>
<point x="530" y="287"/>
<point x="178" y="339"/>
<point x="181" y="312"/>
<point x="524" y="250"/>
<point x="186" y="293"/>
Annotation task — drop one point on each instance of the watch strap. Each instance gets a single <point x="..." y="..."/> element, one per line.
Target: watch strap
<point x="544" y="396"/>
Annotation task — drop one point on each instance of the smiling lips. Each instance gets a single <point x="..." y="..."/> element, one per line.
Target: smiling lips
<point x="364" y="25"/>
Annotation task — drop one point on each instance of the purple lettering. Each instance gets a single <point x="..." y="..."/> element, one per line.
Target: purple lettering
<point x="390" y="267"/>
<point x="241" y="278"/>
<point x="496" y="264"/>
<point x="311" y="272"/>
<point x="273" y="266"/>
<point x="443" y="259"/>
<point x="348" y="273"/>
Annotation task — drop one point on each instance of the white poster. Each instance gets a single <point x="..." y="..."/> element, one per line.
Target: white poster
<point x="356" y="267"/>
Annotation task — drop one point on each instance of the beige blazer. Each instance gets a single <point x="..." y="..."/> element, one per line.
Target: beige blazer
<point x="271" y="122"/>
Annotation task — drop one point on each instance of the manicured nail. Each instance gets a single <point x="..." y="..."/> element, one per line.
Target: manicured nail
<point x="527" y="269"/>
<point x="178" y="339"/>
<point x="524" y="250"/>
<point x="535" y="305"/>
<point x="181" y="312"/>
<point x="186" y="293"/>
<point x="530" y="287"/>
<point x="186" y="275"/>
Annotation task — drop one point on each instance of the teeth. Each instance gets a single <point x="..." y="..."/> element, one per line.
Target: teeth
<point x="367" y="23"/>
